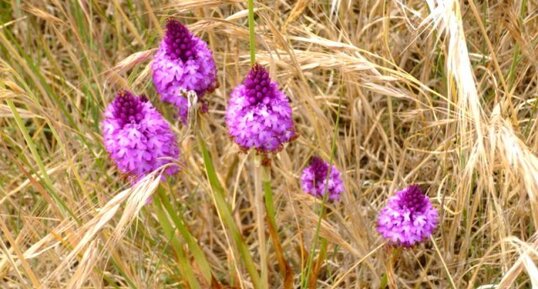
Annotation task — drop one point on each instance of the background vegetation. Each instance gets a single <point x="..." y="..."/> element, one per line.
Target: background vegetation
<point x="439" y="93"/>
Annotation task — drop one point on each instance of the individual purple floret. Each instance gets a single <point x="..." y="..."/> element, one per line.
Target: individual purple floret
<point x="137" y="137"/>
<point x="258" y="115"/>
<point x="183" y="63"/>
<point x="408" y="218"/>
<point x="316" y="180"/>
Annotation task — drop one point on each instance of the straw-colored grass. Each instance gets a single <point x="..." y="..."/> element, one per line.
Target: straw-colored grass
<point x="438" y="92"/>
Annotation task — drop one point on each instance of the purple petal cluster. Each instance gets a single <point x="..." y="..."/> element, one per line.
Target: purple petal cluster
<point x="316" y="180"/>
<point x="182" y="63"/>
<point x="258" y="115"/>
<point x="137" y="137"/>
<point x="408" y="218"/>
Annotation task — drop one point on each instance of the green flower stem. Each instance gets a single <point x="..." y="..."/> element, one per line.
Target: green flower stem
<point x="306" y="276"/>
<point x="260" y="220"/>
<point x="271" y="219"/>
<point x="184" y="264"/>
<point x="252" y="35"/>
<point x="64" y="209"/>
<point x="225" y="213"/>
<point x="194" y="248"/>
<point x="268" y="194"/>
<point x="310" y="260"/>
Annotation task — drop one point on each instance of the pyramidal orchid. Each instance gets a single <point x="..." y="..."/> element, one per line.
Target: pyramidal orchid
<point x="183" y="63"/>
<point x="137" y="137"/>
<point x="259" y="115"/>
<point x="317" y="180"/>
<point x="408" y="218"/>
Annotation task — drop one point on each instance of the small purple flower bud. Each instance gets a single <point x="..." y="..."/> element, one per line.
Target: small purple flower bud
<point x="408" y="218"/>
<point x="316" y="180"/>
<point x="183" y="62"/>
<point x="137" y="137"/>
<point x="259" y="114"/>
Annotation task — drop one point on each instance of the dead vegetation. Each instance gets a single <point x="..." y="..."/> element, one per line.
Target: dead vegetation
<point x="439" y="93"/>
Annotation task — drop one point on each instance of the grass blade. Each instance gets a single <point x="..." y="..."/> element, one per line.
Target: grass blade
<point x="195" y="249"/>
<point x="225" y="214"/>
<point x="184" y="265"/>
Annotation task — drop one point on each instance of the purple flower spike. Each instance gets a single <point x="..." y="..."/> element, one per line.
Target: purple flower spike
<point x="315" y="180"/>
<point x="183" y="63"/>
<point x="137" y="137"/>
<point x="259" y="114"/>
<point x="408" y="218"/>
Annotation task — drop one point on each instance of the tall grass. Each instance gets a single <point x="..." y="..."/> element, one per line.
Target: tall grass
<point x="439" y="93"/>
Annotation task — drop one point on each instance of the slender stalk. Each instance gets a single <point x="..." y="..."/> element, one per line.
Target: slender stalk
<point x="195" y="249"/>
<point x="258" y="194"/>
<point x="225" y="213"/>
<point x="389" y="267"/>
<point x="65" y="210"/>
<point x="285" y="269"/>
<point x="317" y="265"/>
<point x="252" y="35"/>
<point x="268" y="194"/>
<point x="260" y="220"/>
<point x="305" y="277"/>
<point x="184" y="264"/>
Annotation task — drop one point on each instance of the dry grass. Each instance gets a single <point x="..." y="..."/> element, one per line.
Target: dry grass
<point x="435" y="92"/>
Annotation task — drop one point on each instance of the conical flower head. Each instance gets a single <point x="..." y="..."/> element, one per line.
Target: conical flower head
<point x="183" y="63"/>
<point x="408" y="218"/>
<point x="258" y="115"/>
<point x="137" y="137"/>
<point x="317" y="180"/>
